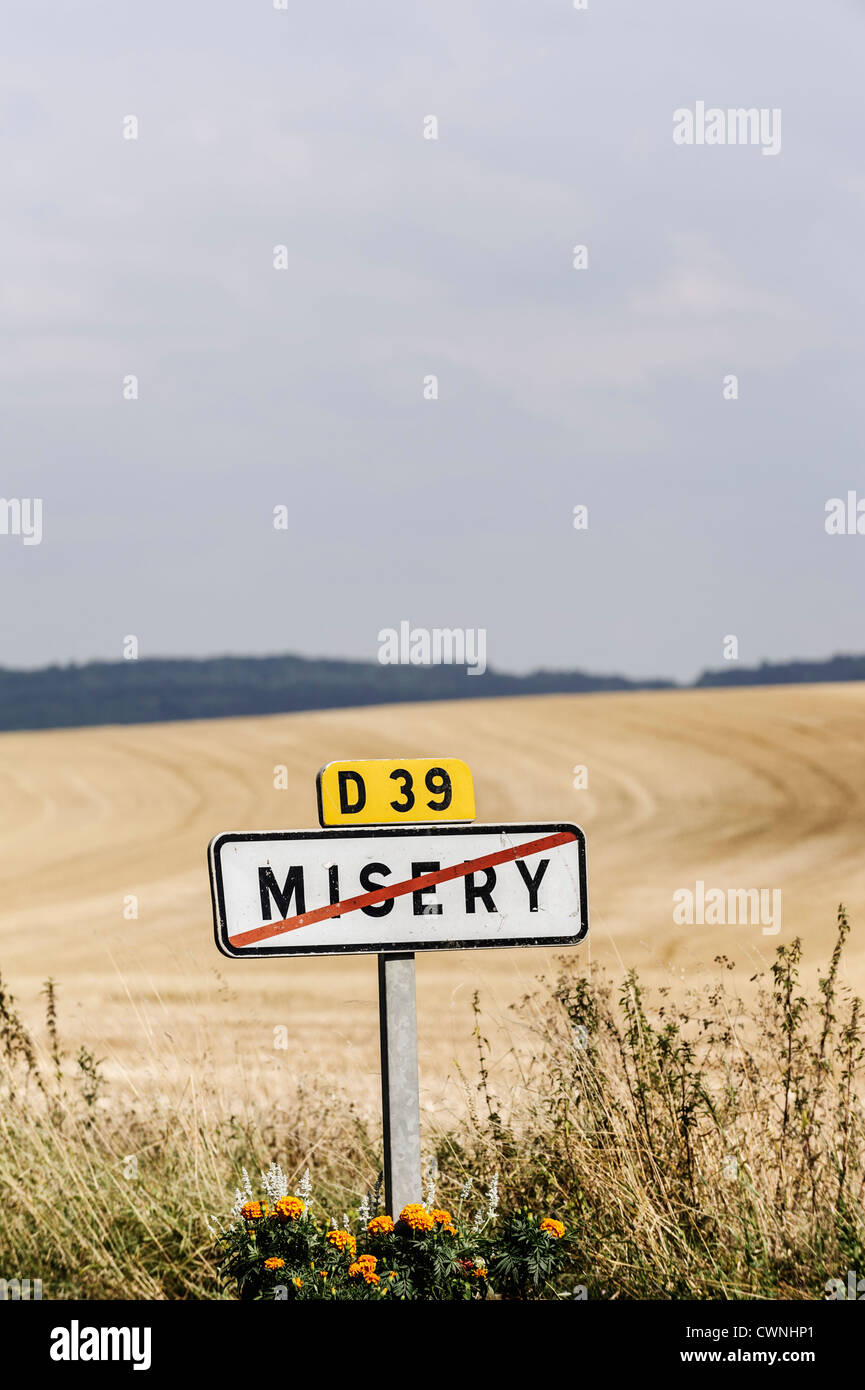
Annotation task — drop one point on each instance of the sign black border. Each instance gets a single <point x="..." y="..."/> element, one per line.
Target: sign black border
<point x="376" y="832"/>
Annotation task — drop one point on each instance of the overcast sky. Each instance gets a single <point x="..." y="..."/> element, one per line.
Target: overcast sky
<point x="407" y="257"/>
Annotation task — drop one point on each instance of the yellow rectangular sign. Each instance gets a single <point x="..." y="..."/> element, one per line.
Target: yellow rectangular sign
<point x="381" y="791"/>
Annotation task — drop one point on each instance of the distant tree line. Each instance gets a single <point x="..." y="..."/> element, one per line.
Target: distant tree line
<point x="156" y="690"/>
<point x="834" y="668"/>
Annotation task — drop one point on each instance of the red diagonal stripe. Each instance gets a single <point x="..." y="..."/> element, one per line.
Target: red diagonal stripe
<point x="409" y="885"/>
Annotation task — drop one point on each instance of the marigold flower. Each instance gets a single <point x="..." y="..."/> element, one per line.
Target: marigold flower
<point x="417" y="1217"/>
<point x="380" y="1226"/>
<point x="274" y="1263"/>
<point x="288" y="1209"/>
<point x="371" y="1278"/>
<point x="298" y="1283"/>
<point x="480" y="1272"/>
<point x="343" y="1240"/>
<point x="444" y="1220"/>
<point x="252" y="1211"/>
<point x="440" y="1217"/>
<point x="553" y="1228"/>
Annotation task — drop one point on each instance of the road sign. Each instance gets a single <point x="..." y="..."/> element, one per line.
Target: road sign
<point x="383" y="791"/>
<point x="400" y="889"/>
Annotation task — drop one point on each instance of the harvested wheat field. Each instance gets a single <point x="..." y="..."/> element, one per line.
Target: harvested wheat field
<point x="753" y="788"/>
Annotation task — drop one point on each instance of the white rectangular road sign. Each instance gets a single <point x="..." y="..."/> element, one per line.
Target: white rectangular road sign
<point x="406" y="888"/>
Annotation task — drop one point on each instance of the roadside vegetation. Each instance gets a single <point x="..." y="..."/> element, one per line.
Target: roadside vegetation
<point x="679" y="1144"/>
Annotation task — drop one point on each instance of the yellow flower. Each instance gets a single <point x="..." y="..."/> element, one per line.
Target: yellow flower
<point x="417" y="1217"/>
<point x="480" y="1272"/>
<point x="252" y="1211"/>
<point x="288" y="1209"/>
<point x="274" y="1263"/>
<point x="298" y="1283"/>
<point x="553" y="1228"/>
<point x="343" y="1240"/>
<point x="380" y="1226"/>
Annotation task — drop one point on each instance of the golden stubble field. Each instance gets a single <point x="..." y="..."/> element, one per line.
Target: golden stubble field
<point x="754" y="788"/>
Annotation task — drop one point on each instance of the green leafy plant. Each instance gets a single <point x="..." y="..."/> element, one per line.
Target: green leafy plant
<point x="279" y="1250"/>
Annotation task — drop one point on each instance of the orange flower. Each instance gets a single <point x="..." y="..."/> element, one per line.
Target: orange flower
<point x="365" y="1266"/>
<point x="288" y="1209"/>
<point x="298" y="1283"/>
<point x="553" y="1228"/>
<point x="417" y="1217"/>
<point x="343" y="1240"/>
<point x="274" y="1263"/>
<point x="380" y="1226"/>
<point x="443" y="1219"/>
<point x="252" y="1211"/>
<point x="480" y="1272"/>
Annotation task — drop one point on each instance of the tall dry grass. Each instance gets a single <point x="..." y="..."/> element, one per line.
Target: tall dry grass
<point x="696" y="1146"/>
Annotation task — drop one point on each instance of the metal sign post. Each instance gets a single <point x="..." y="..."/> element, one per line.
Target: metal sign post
<point x="414" y="872"/>
<point x="400" y="1103"/>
